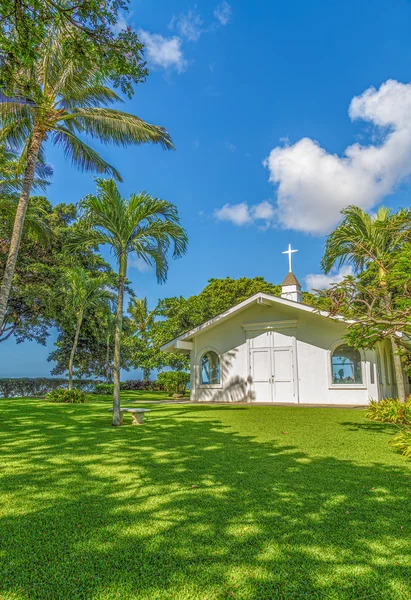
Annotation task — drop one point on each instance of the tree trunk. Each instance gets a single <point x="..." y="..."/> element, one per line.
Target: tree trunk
<point x="108" y="378"/>
<point x="73" y="351"/>
<point x="117" y="340"/>
<point x="33" y="152"/>
<point x="399" y="375"/>
<point x="146" y="374"/>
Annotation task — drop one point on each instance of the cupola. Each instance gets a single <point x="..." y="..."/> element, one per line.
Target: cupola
<point x="291" y="288"/>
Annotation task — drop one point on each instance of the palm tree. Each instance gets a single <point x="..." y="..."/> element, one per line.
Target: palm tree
<point x="362" y="239"/>
<point x="81" y="294"/>
<point x="142" y="320"/>
<point x="141" y="224"/>
<point x="69" y="101"/>
<point x="110" y="327"/>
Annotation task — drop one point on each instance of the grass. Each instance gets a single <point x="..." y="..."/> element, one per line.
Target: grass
<point x="202" y="502"/>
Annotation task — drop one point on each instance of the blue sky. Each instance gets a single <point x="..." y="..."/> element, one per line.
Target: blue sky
<point x="262" y="100"/>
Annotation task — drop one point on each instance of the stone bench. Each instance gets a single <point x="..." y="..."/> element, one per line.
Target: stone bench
<point x="137" y="414"/>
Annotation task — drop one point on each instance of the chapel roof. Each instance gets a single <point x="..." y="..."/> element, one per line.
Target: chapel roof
<point x="291" y="279"/>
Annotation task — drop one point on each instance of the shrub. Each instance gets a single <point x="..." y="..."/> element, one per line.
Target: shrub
<point x="66" y="396"/>
<point x="390" y="410"/>
<point x="174" y="382"/>
<point x="141" y="384"/>
<point x="39" y="386"/>
<point x="104" y="388"/>
<point x="402" y="441"/>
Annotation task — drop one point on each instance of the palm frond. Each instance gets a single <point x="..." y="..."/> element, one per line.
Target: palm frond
<point x="113" y="126"/>
<point x="81" y="155"/>
<point x="90" y="96"/>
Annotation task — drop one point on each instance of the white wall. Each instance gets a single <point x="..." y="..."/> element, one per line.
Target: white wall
<point x="314" y="337"/>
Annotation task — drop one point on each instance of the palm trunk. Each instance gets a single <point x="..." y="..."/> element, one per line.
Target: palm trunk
<point x="73" y="351"/>
<point x="108" y="360"/>
<point x="399" y="376"/>
<point x="117" y="340"/>
<point x="32" y="155"/>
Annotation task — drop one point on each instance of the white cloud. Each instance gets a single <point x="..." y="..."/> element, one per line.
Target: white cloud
<point x="223" y="13"/>
<point x="314" y="185"/>
<point x="239" y="214"/>
<point x="319" y="281"/>
<point x="243" y="214"/>
<point x="264" y="211"/>
<point x="138" y="263"/>
<point x="230" y="146"/>
<point x="163" y="52"/>
<point x="188" y="24"/>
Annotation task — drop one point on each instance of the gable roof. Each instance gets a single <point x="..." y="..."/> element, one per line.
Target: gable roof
<point x="182" y="342"/>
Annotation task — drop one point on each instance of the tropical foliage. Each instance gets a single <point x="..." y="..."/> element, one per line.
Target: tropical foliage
<point x="82" y="294"/>
<point x="33" y="307"/>
<point x="142" y="225"/>
<point x="174" y="382"/>
<point x="68" y="101"/>
<point x="94" y="35"/>
<point x="371" y="244"/>
<point x="64" y="396"/>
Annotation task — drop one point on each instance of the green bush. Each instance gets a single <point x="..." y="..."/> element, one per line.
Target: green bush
<point x="390" y="410"/>
<point x="66" y="396"/>
<point x="402" y="441"/>
<point x="13" y="387"/>
<point x="174" y="382"/>
<point x="104" y="388"/>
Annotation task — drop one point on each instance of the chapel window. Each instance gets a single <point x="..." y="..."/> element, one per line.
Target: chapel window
<point x="346" y="366"/>
<point x="210" y="368"/>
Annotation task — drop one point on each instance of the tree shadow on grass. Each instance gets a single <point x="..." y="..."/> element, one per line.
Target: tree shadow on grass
<point x="186" y="508"/>
<point x="372" y="427"/>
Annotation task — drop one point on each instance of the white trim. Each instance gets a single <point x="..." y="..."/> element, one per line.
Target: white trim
<point x="259" y="298"/>
<point x="269" y="325"/>
<point x="346" y="386"/>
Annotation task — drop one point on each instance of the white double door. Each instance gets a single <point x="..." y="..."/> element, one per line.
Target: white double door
<point x="272" y="366"/>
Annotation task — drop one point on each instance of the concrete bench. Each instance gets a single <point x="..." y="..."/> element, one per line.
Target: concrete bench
<point x="137" y="414"/>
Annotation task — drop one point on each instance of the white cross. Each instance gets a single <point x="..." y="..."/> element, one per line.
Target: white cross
<point x="289" y="252"/>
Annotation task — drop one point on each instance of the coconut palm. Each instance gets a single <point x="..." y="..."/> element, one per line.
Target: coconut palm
<point x="362" y="239"/>
<point x="142" y="225"/>
<point x="69" y="101"/>
<point x="81" y="294"/>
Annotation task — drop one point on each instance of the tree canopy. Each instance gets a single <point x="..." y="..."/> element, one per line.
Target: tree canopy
<point x="94" y="35"/>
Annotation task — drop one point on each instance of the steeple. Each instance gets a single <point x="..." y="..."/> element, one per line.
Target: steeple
<point x="291" y="288"/>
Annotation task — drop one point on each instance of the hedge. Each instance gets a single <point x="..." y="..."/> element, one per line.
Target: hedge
<point x="40" y="386"/>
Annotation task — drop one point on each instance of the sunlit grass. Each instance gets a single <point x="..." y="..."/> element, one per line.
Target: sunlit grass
<point x="201" y="502"/>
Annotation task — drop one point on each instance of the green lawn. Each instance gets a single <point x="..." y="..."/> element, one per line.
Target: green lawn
<point x="202" y="502"/>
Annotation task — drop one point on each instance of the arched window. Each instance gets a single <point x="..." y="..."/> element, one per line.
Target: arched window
<point x="210" y="368"/>
<point x="346" y="365"/>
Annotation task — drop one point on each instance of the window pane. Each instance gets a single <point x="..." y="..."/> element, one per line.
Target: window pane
<point x="346" y="365"/>
<point x="210" y="368"/>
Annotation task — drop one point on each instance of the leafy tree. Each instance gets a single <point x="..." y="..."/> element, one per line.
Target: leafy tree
<point x="68" y="101"/>
<point x="93" y="36"/>
<point x="377" y="312"/>
<point x="11" y="180"/>
<point x="141" y="321"/>
<point x="364" y="240"/>
<point x="32" y="307"/>
<point x="141" y="224"/>
<point x="82" y="293"/>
